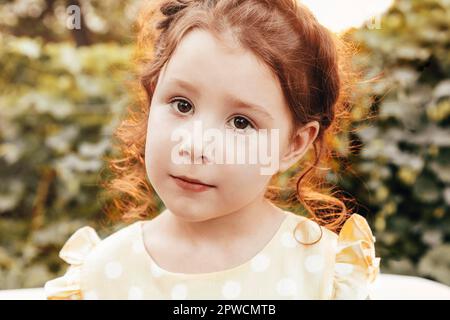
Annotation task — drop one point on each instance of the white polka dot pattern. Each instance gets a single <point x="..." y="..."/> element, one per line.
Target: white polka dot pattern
<point x="314" y="263"/>
<point x="90" y="295"/>
<point x="179" y="292"/>
<point x="283" y="269"/>
<point x="156" y="270"/>
<point x="287" y="287"/>
<point x="260" y="263"/>
<point x="231" y="289"/>
<point x="307" y="232"/>
<point x="287" y="240"/>
<point x="343" y="269"/>
<point x="135" y="293"/>
<point x="113" y="269"/>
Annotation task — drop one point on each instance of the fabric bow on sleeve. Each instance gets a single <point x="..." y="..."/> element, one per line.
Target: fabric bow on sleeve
<point x="74" y="252"/>
<point x="356" y="266"/>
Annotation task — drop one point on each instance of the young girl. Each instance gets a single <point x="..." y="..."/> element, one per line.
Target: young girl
<point x="235" y="66"/>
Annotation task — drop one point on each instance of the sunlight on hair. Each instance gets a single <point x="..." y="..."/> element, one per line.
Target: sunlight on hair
<point x="340" y="15"/>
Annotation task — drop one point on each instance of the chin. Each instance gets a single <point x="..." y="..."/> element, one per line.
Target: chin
<point x="189" y="217"/>
<point x="190" y="213"/>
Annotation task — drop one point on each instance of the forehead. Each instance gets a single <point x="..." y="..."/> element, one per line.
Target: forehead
<point x="223" y="68"/>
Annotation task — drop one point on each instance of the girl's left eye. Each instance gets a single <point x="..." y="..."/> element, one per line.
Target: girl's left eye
<point x="241" y="123"/>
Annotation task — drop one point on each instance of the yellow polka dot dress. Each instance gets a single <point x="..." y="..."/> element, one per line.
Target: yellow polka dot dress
<point x="335" y="266"/>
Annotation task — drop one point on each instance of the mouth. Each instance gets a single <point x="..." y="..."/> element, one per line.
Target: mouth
<point x="191" y="184"/>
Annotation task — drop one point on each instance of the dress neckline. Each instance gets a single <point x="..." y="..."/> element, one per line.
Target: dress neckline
<point x="161" y="271"/>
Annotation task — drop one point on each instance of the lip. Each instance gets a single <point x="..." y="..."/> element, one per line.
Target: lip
<point x="191" y="184"/>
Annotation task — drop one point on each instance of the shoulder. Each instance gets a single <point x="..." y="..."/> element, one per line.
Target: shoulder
<point x="119" y="238"/>
<point x="311" y="247"/>
<point x="306" y="231"/>
<point x="85" y="253"/>
<point x="347" y="258"/>
<point x="113" y="249"/>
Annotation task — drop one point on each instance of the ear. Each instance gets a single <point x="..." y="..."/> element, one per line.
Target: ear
<point x="299" y="145"/>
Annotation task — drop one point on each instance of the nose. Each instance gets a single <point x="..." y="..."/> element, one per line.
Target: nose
<point x="193" y="153"/>
<point x="193" y="146"/>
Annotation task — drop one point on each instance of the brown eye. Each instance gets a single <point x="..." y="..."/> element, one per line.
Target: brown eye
<point x="182" y="106"/>
<point x="242" y="124"/>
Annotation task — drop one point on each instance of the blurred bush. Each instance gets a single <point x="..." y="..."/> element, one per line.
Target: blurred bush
<point x="403" y="168"/>
<point x="59" y="105"/>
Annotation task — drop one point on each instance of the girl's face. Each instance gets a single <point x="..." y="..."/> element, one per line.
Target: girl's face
<point x="202" y="84"/>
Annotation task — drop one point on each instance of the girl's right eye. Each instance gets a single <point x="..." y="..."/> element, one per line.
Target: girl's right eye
<point x="181" y="106"/>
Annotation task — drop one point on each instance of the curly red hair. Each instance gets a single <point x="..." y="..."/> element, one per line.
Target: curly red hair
<point x="310" y="62"/>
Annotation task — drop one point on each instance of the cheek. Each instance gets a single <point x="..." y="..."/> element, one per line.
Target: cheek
<point x="242" y="182"/>
<point x="157" y="142"/>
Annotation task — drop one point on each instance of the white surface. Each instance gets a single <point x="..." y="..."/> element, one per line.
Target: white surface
<point x="386" y="287"/>
<point x="399" y="287"/>
<point x="23" y="294"/>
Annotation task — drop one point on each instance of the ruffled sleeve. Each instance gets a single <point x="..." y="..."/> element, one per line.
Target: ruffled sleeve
<point x="74" y="252"/>
<point x="356" y="266"/>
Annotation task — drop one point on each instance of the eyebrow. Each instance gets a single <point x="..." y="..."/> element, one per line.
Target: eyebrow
<point x="231" y="99"/>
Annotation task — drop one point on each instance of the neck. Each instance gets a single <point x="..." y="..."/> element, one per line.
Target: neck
<point x="258" y="217"/>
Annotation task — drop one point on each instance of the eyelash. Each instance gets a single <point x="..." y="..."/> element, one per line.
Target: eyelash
<point x="250" y="122"/>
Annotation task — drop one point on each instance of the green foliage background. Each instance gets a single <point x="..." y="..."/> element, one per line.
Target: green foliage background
<point x="60" y="102"/>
